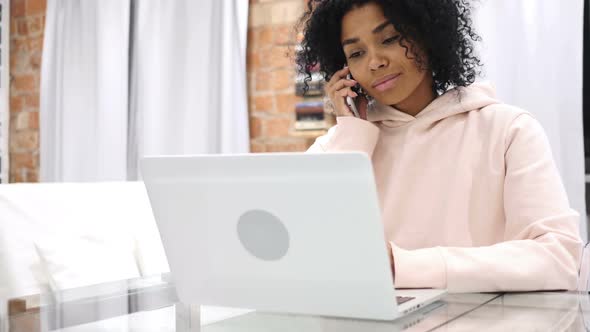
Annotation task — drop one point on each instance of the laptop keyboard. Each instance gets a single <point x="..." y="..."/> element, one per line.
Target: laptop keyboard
<point x="403" y="299"/>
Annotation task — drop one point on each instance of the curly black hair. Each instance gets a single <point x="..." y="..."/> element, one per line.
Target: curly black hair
<point x="440" y="29"/>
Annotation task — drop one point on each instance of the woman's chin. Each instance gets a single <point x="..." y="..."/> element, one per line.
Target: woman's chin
<point x="390" y="101"/>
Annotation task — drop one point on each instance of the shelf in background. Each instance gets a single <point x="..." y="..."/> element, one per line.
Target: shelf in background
<point x="308" y="133"/>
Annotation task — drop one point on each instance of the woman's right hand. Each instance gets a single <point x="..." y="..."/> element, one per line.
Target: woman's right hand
<point x="336" y="91"/>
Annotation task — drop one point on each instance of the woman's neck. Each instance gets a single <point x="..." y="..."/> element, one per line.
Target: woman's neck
<point x="421" y="97"/>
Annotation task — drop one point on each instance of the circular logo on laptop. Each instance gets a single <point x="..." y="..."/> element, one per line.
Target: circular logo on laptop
<point x="263" y="235"/>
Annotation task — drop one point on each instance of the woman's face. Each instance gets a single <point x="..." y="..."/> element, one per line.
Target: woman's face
<point x="376" y="59"/>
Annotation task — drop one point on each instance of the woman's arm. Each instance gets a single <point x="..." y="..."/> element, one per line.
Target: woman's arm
<point x="349" y="134"/>
<point x="542" y="244"/>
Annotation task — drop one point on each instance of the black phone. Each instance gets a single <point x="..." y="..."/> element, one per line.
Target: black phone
<point x="350" y="101"/>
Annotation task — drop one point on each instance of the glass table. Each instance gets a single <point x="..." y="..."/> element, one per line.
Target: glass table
<point x="151" y="304"/>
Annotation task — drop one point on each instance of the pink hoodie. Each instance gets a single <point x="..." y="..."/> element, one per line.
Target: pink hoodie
<point x="471" y="198"/>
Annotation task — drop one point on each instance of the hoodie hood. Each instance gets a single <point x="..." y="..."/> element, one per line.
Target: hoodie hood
<point x="458" y="100"/>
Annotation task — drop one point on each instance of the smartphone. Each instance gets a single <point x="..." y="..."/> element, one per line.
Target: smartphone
<point x="350" y="101"/>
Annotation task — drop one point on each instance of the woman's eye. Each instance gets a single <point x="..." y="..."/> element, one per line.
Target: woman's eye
<point x="354" y="55"/>
<point x="391" y="40"/>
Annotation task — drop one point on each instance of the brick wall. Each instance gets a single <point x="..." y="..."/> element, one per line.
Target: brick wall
<point x="271" y="76"/>
<point x="27" y="20"/>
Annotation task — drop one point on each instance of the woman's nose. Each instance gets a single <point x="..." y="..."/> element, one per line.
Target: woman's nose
<point x="377" y="62"/>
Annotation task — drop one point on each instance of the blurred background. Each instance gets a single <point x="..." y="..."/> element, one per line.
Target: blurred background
<point x="88" y="87"/>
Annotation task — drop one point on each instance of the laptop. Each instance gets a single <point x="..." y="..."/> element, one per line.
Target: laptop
<point x="286" y="232"/>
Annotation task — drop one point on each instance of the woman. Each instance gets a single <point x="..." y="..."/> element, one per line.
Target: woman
<point x="471" y="198"/>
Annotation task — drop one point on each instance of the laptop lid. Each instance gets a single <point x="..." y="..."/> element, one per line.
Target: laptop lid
<point x="288" y="232"/>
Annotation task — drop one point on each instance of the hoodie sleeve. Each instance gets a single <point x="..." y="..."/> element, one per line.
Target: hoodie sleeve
<point x="542" y="246"/>
<point x="348" y="135"/>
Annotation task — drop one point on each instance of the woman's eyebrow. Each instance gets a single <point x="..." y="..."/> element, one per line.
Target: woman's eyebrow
<point x="381" y="26"/>
<point x="378" y="29"/>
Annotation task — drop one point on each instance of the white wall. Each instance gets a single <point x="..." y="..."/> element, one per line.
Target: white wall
<point x="532" y="51"/>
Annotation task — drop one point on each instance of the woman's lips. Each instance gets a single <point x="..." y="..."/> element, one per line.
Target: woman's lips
<point x="388" y="83"/>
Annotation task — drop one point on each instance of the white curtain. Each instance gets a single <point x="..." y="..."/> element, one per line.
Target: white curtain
<point x="84" y="91"/>
<point x="189" y="72"/>
<point x="126" y="78"/>
<point x="532" y="52"/>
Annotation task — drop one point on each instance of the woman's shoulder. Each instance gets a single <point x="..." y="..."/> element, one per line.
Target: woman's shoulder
<point x="506" y="115"/>
<point x="506" y="112"/>
<point x="482" y="101"/>
<point x="511" y="122"/>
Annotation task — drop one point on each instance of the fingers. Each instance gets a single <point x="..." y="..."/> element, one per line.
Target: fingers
<point x="341" y="84"/>
<point x="341" y="73"/>
<point x="336" y="105"/>
<point x="337" y="89"/>
<point x="347" y="92"/>
<point x="341" y="88"/>
<point x="337" y="76"/>
<point x="339" y="100"/>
